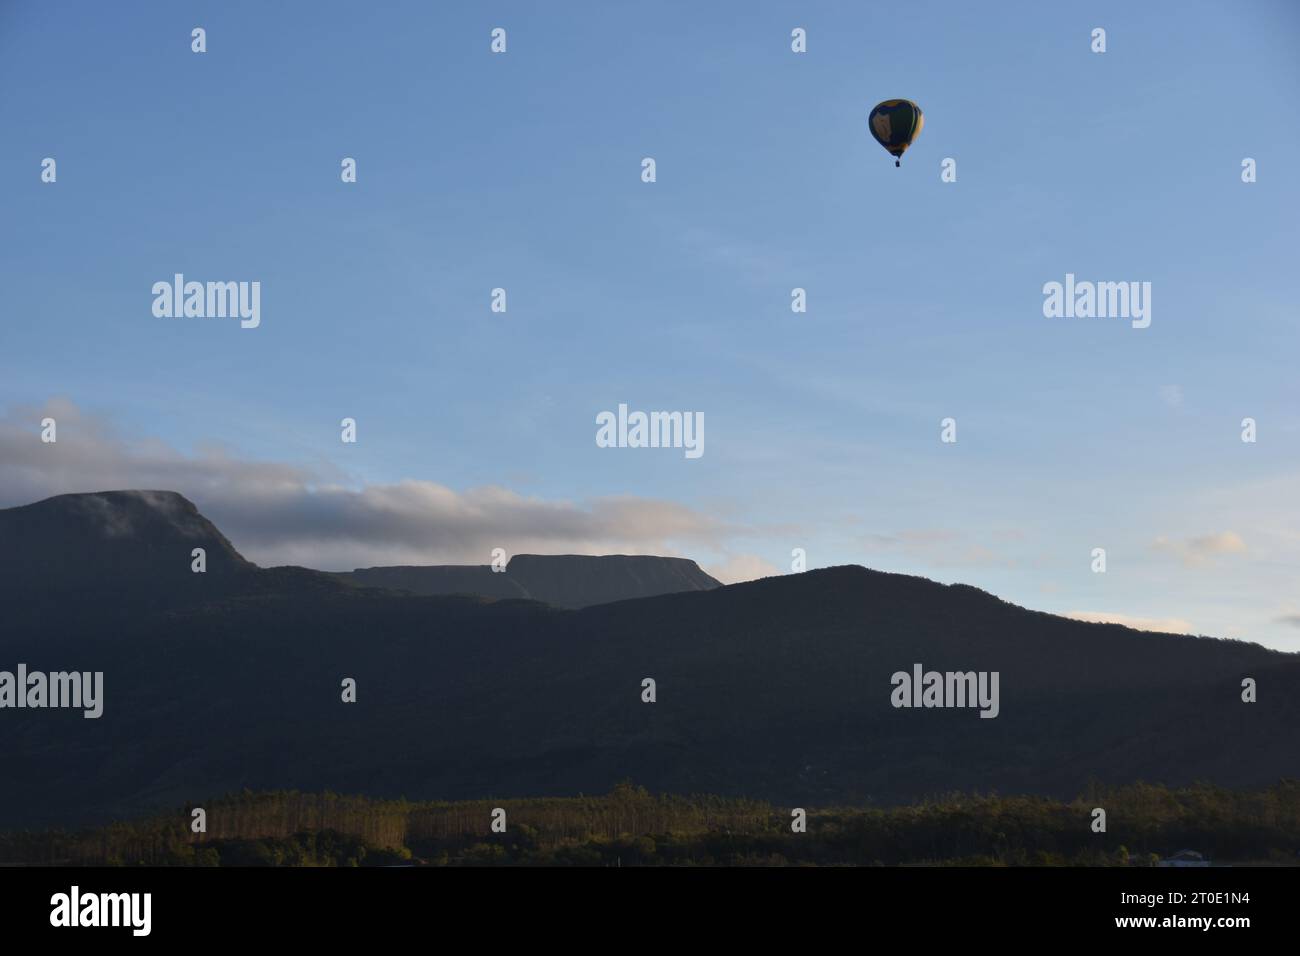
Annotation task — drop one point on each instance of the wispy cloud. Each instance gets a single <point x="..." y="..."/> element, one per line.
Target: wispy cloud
<point x="1167" y="625"/>
<point x="278" y="513"/>
<point x="939" y="547"/>
<point x="752" y="261"/>
<point x="1201" y="552"/>
<point x="742" y="567"/>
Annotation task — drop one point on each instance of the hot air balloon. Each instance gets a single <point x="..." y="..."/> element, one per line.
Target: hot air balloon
<point x="895" y="123"/>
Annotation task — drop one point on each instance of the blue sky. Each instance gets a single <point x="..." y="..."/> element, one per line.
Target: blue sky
<point x="522" y="171"/>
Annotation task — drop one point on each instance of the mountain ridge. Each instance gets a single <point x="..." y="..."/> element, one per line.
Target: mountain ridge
<point x="101" y="538"/>
<point x="778" y="689"/>
<point x="564" y="580"/>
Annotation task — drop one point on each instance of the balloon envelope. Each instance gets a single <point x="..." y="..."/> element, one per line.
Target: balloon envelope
<point x="895" y="124"/>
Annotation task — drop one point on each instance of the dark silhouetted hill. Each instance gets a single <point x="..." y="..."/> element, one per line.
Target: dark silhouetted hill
<point x="776" y="689"/>
<point x="439" y="579"/>
<point x="564" y="580"/>
<point x="76" y="546"/>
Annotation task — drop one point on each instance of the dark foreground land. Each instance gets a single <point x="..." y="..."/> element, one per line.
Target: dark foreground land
<point x="631" y="827"/>
<point x="780" y="689"/>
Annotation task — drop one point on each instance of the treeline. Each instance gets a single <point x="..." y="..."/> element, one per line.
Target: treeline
<point x="631" y="827"/>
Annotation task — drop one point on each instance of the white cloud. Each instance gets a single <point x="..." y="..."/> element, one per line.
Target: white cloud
<point x="940" y="548"/>
<point x="742" y="567"/>
<point x="1200" y="552"/>
<point x="1167" y="625"/>
<point x="277" y="513"/>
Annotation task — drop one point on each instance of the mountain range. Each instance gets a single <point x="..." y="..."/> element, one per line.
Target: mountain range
<point x="564" y="580"/>
<point x="530" y="682"/>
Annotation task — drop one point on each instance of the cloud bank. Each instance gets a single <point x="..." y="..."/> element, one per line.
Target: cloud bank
<point x="277" y="513"/>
